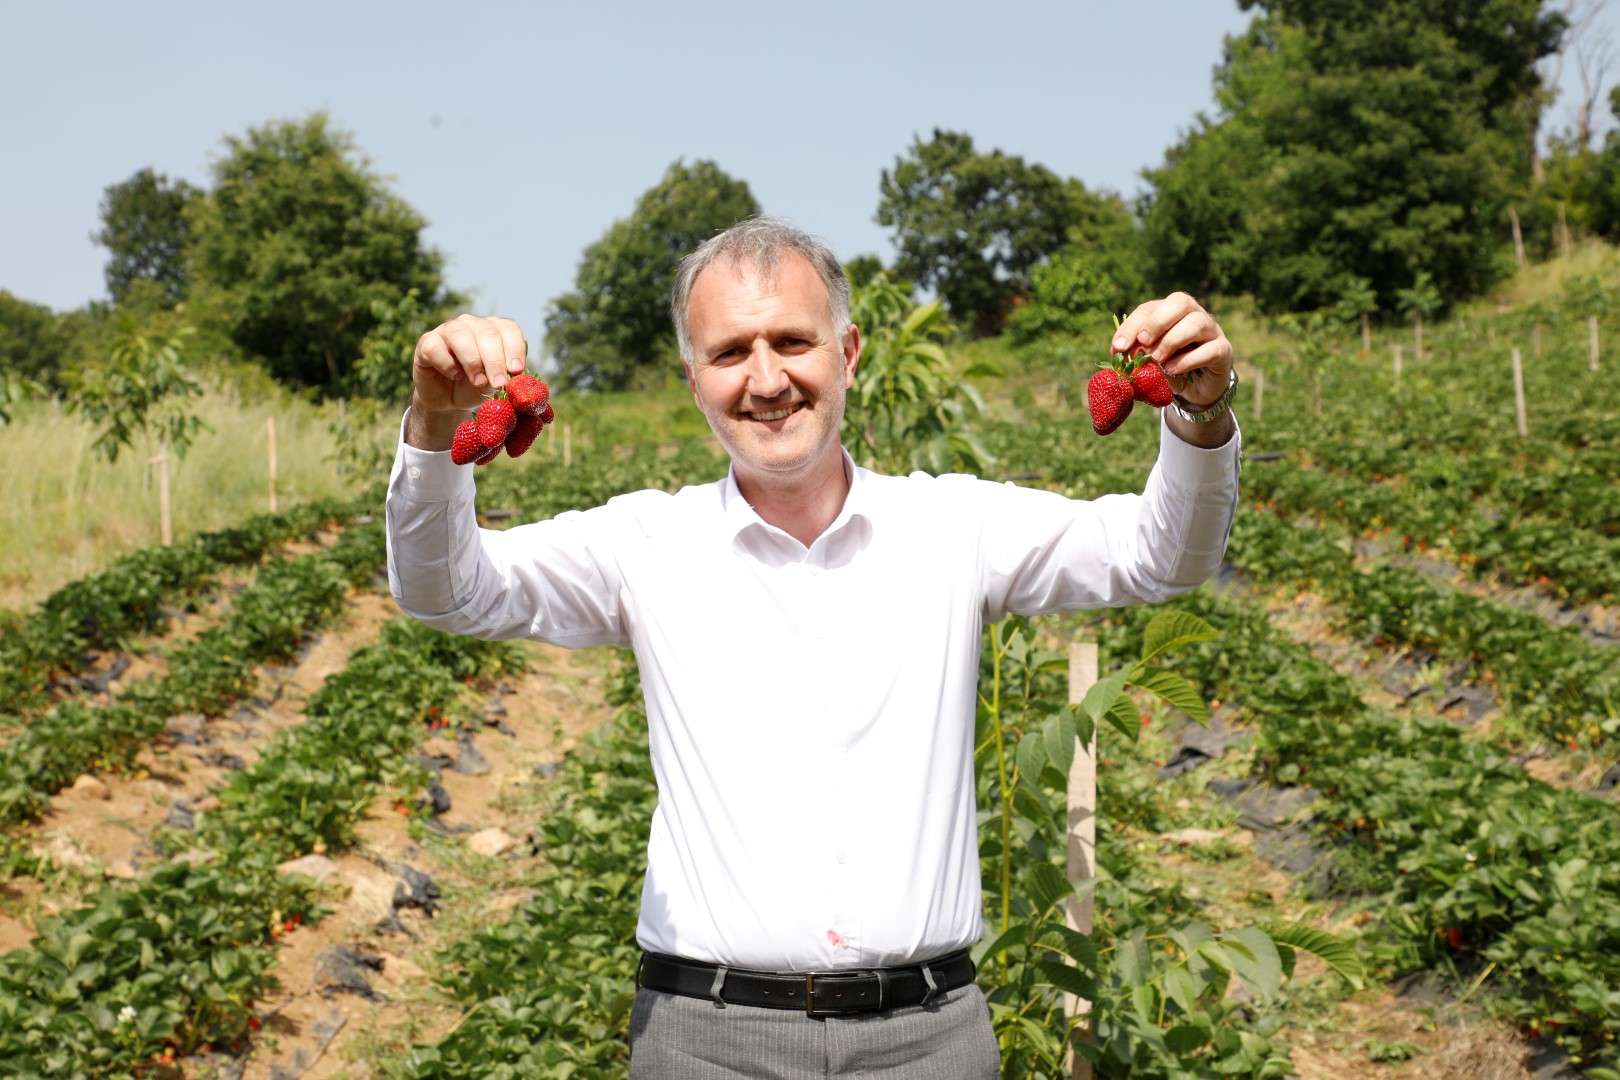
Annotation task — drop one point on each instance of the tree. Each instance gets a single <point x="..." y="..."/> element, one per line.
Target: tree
<point x="1356" y="138"/>
<point x="613" y="330"/>
<point x="299" y="239"/>
<point x="32" y="342"/>
<point x="140" y="390"/>
<point x="144" y="228"/>
<point x="972" y="226"/>
<point x="1069" y="296"/>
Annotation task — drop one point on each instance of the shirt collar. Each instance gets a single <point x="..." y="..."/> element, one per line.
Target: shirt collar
<point x="739" y="515"/>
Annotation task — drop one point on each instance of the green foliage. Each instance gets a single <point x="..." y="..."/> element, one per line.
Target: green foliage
<point x="1070" y="297"/>
<point x="383" y="370"/>
<point x="140" y="390"/>
<point x="32" y="343"/>
<point x="146" y="233"/>
<point x="613" y="330"/>
<point x="972" y="226"/>
<point x="1355" y="140"/>
<point x="296" y="242"/>
<point x="908" y="408"/>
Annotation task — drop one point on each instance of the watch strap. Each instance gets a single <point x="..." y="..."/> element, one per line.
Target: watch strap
<point x="1213" y="411"/>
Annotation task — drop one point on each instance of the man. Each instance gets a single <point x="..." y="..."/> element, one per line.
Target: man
<point x="808" y="636"/>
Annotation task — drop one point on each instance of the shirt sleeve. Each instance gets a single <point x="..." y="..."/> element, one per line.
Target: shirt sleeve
<point x="553" y="580"/>
<point x="1041" y="552"/>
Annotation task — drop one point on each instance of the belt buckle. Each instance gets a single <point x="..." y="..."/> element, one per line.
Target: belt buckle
<point x="853" y="979"/>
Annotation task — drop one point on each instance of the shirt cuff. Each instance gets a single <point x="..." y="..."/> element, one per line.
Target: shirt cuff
<point x="428" y="476"/>
<point x="1194" y="465"/>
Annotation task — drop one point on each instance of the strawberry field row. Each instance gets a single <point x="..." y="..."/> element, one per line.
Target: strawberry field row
<point x="1558" y="686"/>
<point x="108" y="609"/>
<point x="208" y="675"/>
<point x="1579" y="564"/>
<point x="1476" y="867"/>
<point x="176" y="961"/>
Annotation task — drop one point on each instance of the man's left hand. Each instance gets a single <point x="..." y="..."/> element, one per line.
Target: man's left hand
<point x="1194" y="352"/>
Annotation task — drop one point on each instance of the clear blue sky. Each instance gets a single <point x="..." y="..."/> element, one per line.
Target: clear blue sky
<point x="521" y="131"/>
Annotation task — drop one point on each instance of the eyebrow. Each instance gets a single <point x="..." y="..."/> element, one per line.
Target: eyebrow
<point x="724" y="345"/>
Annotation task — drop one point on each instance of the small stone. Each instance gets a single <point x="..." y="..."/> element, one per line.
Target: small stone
<point x="491" y="843"/>
<point x="397" y="970"/>
<point x="318" y="867"/>
<point x="91" y="787"/>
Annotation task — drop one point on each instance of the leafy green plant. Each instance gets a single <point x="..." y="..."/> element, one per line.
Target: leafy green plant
<point x="140" y="391"/>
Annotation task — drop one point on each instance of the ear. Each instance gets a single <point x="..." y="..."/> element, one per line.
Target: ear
<point x="852" y="354"/>
<point x="691" y="381"/>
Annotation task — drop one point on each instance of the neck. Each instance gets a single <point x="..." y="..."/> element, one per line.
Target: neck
<point x="802" y="506"/>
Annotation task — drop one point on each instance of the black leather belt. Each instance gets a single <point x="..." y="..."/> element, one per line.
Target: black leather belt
<point x="818" y="993"/>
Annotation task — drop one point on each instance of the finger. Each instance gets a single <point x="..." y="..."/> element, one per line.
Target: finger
<point x="433" y="352"/>
<point x="1149" y="322"/>
<point x="515" y="349"/>
<point x="1214" y="357"/>
<point x="463" y="335"/>
<point x="491" y="353"/>
<point x="1197" y="328"/>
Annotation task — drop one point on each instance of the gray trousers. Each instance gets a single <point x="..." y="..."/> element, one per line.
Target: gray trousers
<point x="684" y="1038"/>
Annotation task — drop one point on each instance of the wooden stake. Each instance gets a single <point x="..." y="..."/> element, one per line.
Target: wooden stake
<point x="165" y="519"/>
<point x="1259" y="391"/>
<point x="1397" y="366"/>
<point x="568" y="447"/>
<point x="270" y="433"/>
<point x="1366" y="333"/>
<point x="1518" y="239"/>
<point x="1591" y="342"/>
<point x="1082" y="836"/>
<point x="1518" y="396"/>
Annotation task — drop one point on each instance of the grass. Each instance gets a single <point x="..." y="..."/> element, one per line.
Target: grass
<point x="69" y="513"/>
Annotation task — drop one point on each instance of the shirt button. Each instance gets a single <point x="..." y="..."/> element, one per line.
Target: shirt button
<point x="416" y="474"/>
<point x="841" y="858"/>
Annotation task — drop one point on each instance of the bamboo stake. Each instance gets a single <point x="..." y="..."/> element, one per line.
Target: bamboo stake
<point x="1366" y="333"/>
<point x="1518" y="396"/>
<point x="270" y="432"/>
<point x="165" y="519"/>
<point x="568" y="447"/>
<point x="1591" y="342"/>
<point x="1082" y="836"/>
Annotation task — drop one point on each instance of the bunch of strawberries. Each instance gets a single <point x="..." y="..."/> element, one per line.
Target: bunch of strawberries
<point x="1121" y="383"/>
<point x="509" y="421"/>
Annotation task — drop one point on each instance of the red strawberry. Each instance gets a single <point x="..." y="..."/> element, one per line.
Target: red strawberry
<point x="467" y="446"/>
<point x="1110" y="397"/>
<point x="490" y="455"/>
<point x="547" y="415"/>
<point x="523" y="435"/>
<point x="527" y="394"/>
<point x="495" y="419"/>
<point x="1150" y="384"/>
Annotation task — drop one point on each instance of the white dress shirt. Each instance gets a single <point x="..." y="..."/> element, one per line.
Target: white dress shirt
<point x="811" y="710"/>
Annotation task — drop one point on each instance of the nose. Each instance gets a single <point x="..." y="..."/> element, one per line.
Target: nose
<point x="767" y="373"/>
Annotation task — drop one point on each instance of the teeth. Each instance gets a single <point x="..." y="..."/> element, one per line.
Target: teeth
<point x="776" y="415"/>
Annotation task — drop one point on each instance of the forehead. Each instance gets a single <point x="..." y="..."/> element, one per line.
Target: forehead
<point x="728" y="296"/>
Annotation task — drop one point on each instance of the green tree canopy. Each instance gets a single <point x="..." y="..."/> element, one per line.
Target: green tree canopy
<point x="145" y="231"/>
<point x="613" y="330"/>
<point x="1356" y="138"/>
<point x="971" y="226"/>
<point x="299" y="240"/>
<point x="32" y="341"/>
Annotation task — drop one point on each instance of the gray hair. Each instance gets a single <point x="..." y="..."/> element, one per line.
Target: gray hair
<point x="760" y="242"/>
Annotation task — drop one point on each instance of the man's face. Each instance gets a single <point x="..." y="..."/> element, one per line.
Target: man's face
<point x="768" y="369"/>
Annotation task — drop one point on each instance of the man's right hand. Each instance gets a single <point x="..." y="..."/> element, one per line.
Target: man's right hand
<point x="455" y="366"/>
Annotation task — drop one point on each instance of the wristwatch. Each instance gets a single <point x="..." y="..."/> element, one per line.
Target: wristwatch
<point x="1213" y="411"/>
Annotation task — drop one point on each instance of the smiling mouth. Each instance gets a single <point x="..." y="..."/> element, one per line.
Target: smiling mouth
<point x="776" y="414"/>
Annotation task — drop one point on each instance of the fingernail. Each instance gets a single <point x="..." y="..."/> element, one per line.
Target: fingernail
<point x="478" y="378"/>
<point x="515" y="364"/>
<point x="1119" y="342"/>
